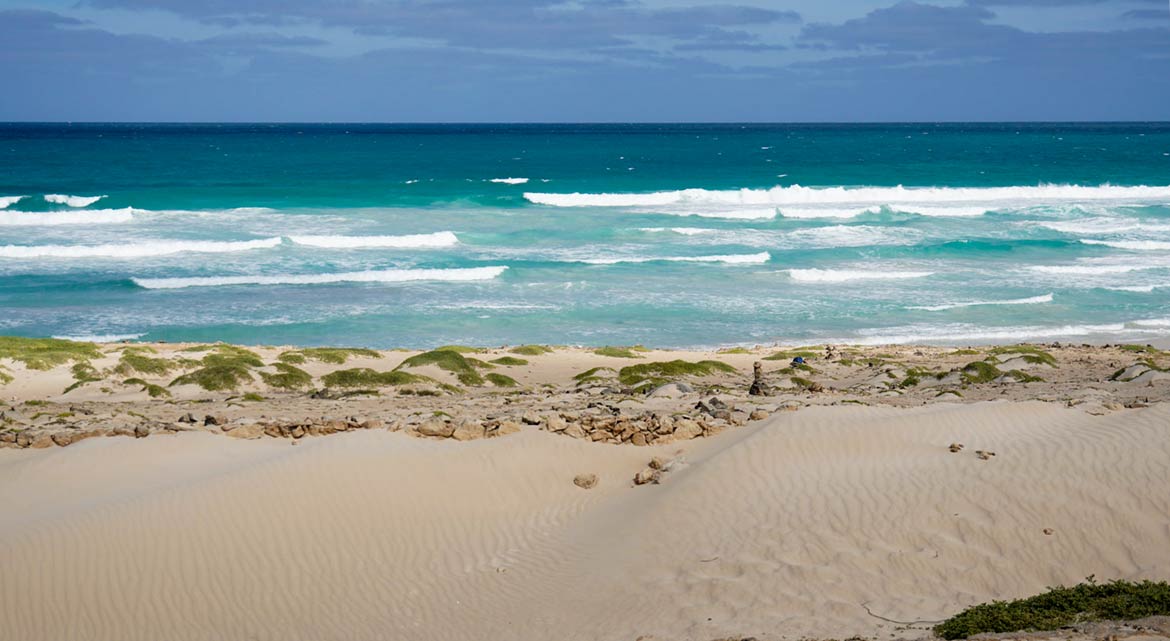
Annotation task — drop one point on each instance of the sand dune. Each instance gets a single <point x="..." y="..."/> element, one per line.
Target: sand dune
<point x="785" y="528"/>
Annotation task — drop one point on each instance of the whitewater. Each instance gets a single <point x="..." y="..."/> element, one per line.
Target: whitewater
<point x="665" y="235"/>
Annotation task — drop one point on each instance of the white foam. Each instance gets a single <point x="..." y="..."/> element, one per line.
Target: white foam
<point x="827" y="212"/>
<point x="734" y="259"/>
<point x="1035" y="300"/>
<point x="715" y="212"/>
<point x="140" y="249"/>
<point x="962" y="334"/>
<point x="72" y="201"/>
<point x="852" y="236"/>
<point x="1140" y="289"/>
<point x="1098" y="225"/>
<point x="49" y="218"/>
<point x="1090" y="270"/>
<point x="101" y="338"/>
<point x="412" y="241"/>
<point x="510" y="181"/>
<point x="1138" y="245"/>
<point x="946" y="212"/>
<point x="7" y="201"/>
<point x="845" y="275"/>
<point x="685" y="231"/>
<point x="797" y="195"/>
<point x="381" y="276"/>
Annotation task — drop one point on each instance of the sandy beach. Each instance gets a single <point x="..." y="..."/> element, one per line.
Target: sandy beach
<point x="868" y="492"/>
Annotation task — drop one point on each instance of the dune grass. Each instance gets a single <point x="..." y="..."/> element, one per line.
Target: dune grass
<point x="1030" y="353"/>
<point x="155" y="391"/>
<point x="447" y="360"/>
<point x="531" y="350"/>
<point x="1060" y="607"/>
<point x="461" y="349"/>
<point x="509" y="361"/>
<point x="618" y="352"/>
<point x="46" y="353"/>
<point x="332" y="355"/>
<point x="791" y="354"/>
<point x="501" y="380"/>
<point x="666" y="371"/>
<point x="287" y="377"/>
<point x="135" y="360"/>
<point x="83" y="373"/>
<point x="364" y="377"/>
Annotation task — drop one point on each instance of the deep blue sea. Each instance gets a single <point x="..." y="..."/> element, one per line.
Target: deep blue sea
<point x="665" y="235"/>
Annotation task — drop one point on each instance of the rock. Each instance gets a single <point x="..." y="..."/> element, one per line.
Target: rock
<point x="468" y="431"/>
<point x="671" y="390"/>
<point x="984" y="455"/>
<point x="956" y="447"/>
<point x="556" y="424"/>
<point x="665" y="424"/>
<point x="24" y="439"/>
<point x="758" y="415"/>
<point x="41" y="441"/>
<point x="215" y="420"/>
<point x="648" y="475"/>
<point x="507" y="427"/>
<point x="659" y="463"/>
<point x="372" y="424"/>
<point x="639" y="439"/>
<point x="576" y="431"/>
<point x="790" y="406"/>
<point x="716" y="404"/>
<point x="686" y="429"/>
<point x="1048" y="531"/>
<point x="759" y="387"/>
<point x="435" y="427"/>
<point x="531" y="418"/>
<point x="141" y="431"/>
<point x="249" y="431"/>
<point x="585" y="481"/>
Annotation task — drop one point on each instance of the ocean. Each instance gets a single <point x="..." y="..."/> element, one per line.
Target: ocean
<point x="663" y="235"/>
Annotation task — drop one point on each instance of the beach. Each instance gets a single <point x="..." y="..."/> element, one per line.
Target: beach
<point x="868" y="491"/>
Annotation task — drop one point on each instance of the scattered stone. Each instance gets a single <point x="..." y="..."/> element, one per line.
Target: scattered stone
<point x="956" y="447"/>
<point x="187" y="418"/>
<point x="211" y="419"/>
<point x="984" y="455"/>
<point x="1048" y="531"/>
<point x="530" y="418"/>
<point x="686" y="429"/>
<point x="585" y="481"/>
<point x="758" y="415"/>
<point x="648" y="475"/>
<point x="660" y="464"/>
<point x="506" y="427"/>
<point x="435" y="427"/>
<point x="468" y="431"/>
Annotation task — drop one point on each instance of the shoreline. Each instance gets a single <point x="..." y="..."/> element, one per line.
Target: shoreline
<point x="899" y="484"/>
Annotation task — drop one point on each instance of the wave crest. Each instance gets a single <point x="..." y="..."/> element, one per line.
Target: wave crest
<point x="8" y="201"/>
<point x="381" y="276"/>
<point x="50" y="218"/>
<point x="72" y="201"/>
<point x="846" y="275"/>
<point x="734" y="259"/>
<point x="143" y="249"/>
<point x="1035" y="300"/>
<point x="437" y="239"/>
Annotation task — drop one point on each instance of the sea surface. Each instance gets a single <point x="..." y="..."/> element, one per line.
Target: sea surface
<point x="664" y="235"/>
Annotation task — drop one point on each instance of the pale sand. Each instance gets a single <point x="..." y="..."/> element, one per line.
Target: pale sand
<point x="779" y="529"/>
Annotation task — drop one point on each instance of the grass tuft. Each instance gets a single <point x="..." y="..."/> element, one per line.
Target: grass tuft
<point x="155" y="391"/>
<point x="1031" y="353"/>
<point x="789" y="355"/>
<point x="509" y="361"/>
<point x="500" y="380"/>
<point x="531" y="350"/>
<point x="287" y="377"/>
<point x="977" y="372"/>
<point x="617" y="352"/>
<point x="363" y="377"/>
<point x="46" y="353"/>
<point x="334" y="355"/>
<point x="461" y="349"/>
<point x="135" y="360"/>
<point x="1060" y="607"/>
<point x="668" y="370"/>
<point x="446" y="360"/>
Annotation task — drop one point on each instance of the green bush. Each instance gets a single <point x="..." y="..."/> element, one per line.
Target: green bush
<point x="153" y="390"/>
<point x="135" y="360"/>
<point x="1030" y="353"/>
<point x="668" y="370"/>
<point x="980" y="372"/>
<point x="616" y="352"/>
<point x="531" y="350"/>
<point x="789" y="355"/>
<point x="364" y="377"/>
<point x="46" y="353"/>
<point x="508" y="361"/>
<point x="1061" y="606"/>
<point x="334" y="355"/>
<point x="500" y="380"/>
<point x="461" y="349"/>
<point x="215" y="378"/>
<point x="448" y="360"/>
<point x="288" y="377"/>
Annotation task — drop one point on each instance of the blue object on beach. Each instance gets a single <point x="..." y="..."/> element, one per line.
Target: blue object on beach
<point x="799" y="360"/>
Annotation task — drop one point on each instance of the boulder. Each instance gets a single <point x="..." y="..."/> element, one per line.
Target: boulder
<point x="435" y="427"/>
<point x="507" y="427"/>
<point x="758" y="415"/>
<point x="41" y="441"/>
<point x="249" y="431"/>
<point x="686" y="429"/>
<point x="585" y="481"/>
<point x="531" y="418"/>
<point x="646" y="476"/>
<point x="212" y="419"/>
<point x="556" y="424"/>
<point x="639" y="439"/>
<point x="576" y="431"/>
<point x="468" y="431"/>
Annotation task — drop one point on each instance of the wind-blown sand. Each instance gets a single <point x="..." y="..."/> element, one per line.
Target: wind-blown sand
<point x="787" y="527"/>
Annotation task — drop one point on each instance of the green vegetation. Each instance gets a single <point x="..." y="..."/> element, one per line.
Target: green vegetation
<point x="447" y="360"/>
<point x="5" y="377"/>
<point x="914" y="376"/>
<point x="965" y="352"/>
<point x="789" y="355"/>
<point x="1061" y="606"/>
<point x="253" y="397"/>
<point x="1024" y="377"/>
<point x="155" y="391"/>
<point x="46" y="353"/>
<point x="977" y="372"/>
<point x="460" y="349"/>
<point x="509" y="361"/>
<point x="500" y="380"/>
<point x="83" y="373"/>
<point x="226" y="367"/>
<point x="665" y="371"/>
<point x="805" y="384"/>
<point x="617" y="352"/>
<point x="135" y="360"/>
<point x="949" y="391"/>
<point x="1030" y="353"/>
<point x="594" y="375"/>
<point x="735" y="350"/>
<point x="478" y="364"/>
<point x="288" y="377"/>
<point x="531" y="350"/>
<point x="1144" y="349"/>
<point x="365" y="377"/>
<point x="334" y="355"/>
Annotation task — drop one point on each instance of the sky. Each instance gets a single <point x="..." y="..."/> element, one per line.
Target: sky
<point x="584" y="60"/>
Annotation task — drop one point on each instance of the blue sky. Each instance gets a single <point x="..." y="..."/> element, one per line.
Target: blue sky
<point x="584" y="60"/>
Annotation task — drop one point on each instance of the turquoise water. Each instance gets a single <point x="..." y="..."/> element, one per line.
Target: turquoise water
<point x="668" y="235"/>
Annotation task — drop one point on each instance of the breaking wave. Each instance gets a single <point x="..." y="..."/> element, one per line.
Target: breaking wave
<point x="142" y="249"/>
<point x="72" y="201"/>
<point x="380" y="276"/>
<point x="49" y="218"/>
<point x="734" y="259"/>
<point x="1035" y="300"/>
<point x="846" y="275"/>
<point x="437" y="239"/>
